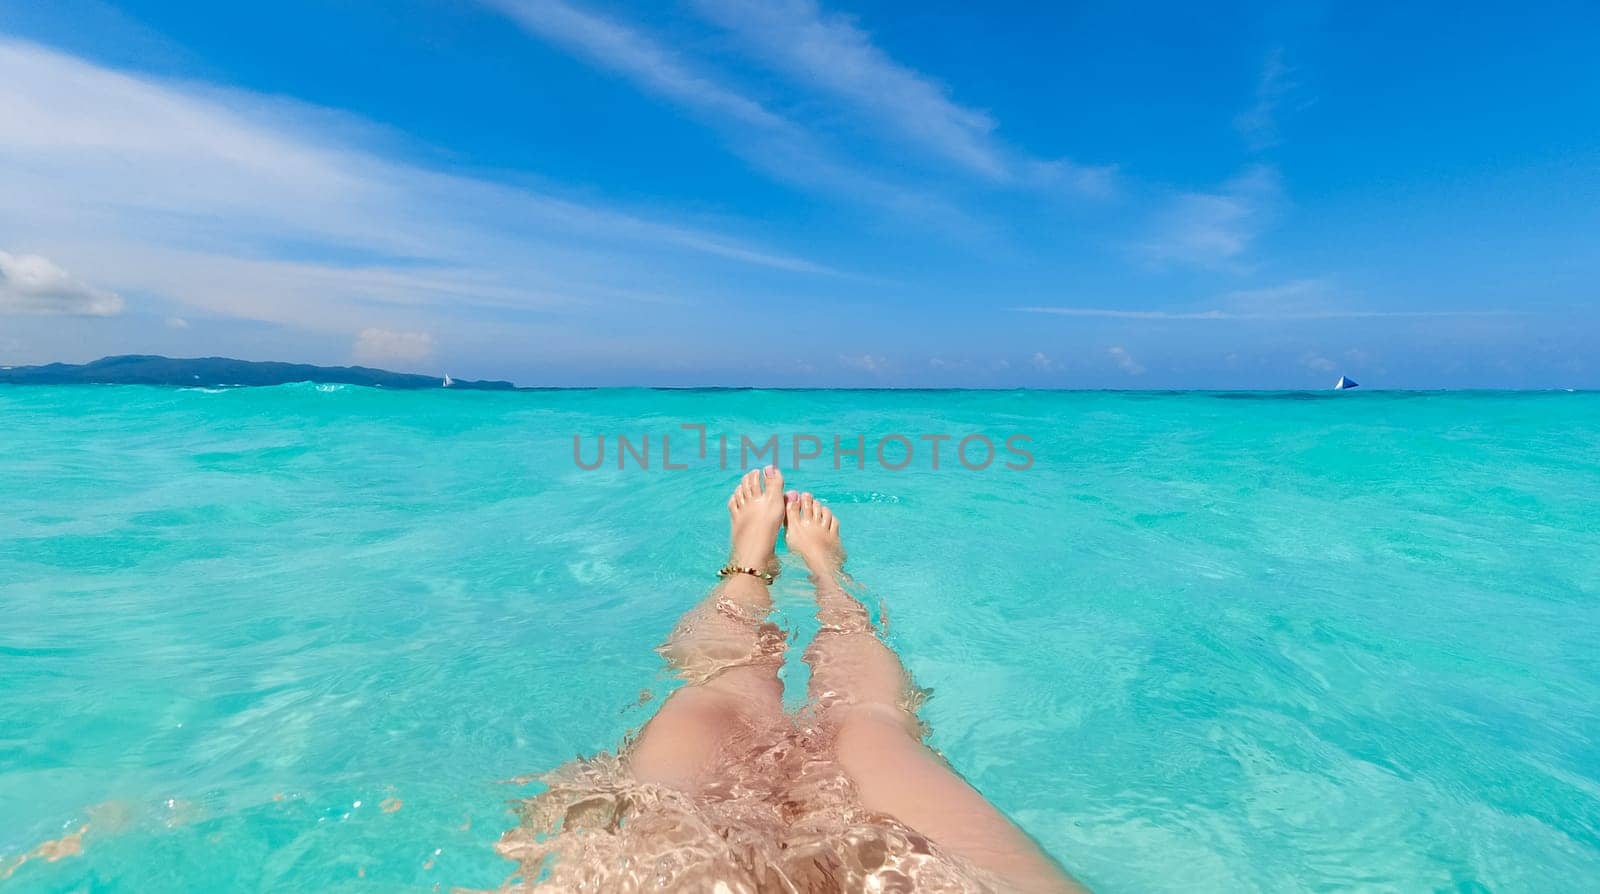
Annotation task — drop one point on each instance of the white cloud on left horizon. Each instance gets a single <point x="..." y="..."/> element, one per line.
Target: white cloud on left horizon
<point x="30" y="284"/>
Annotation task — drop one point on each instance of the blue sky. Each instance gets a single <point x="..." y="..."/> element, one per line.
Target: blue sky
<point x="1128" y="195"/>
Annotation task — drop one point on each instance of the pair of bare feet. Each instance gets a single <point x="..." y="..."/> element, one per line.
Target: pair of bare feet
<point x="761" y="510"/>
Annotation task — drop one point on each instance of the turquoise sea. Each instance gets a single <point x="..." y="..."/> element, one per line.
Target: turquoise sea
<point x="301" y="638"/>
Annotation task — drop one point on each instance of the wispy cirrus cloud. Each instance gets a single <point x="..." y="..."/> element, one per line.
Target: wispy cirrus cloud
<point x="1214" y="229"/>
<point x="249" y="208"/>
<point x="770" y="142"/>
<point x="1258" y="124"/>
<point x="832" y="55"/>
<point x="842" y="63"/>
<point x="648" y="63"/>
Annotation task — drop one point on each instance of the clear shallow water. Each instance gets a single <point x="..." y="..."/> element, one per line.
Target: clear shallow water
<point x="1205" y="644"/>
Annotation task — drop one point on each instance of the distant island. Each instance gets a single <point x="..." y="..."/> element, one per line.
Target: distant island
<point x="222" y="372"/>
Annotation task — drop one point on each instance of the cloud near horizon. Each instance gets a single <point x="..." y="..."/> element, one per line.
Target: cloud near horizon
<point x="1125" y="361"/>
<point x="386" y="345"/>
<point x="1299" y="300"/>
<point x="30" y="284"/>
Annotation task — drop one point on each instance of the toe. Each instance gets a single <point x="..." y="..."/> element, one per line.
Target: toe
<point x="748" y="486"/>
<point x="807" y="506"/>
<point x="772" y="482"/>
<point x="792" y="513"/>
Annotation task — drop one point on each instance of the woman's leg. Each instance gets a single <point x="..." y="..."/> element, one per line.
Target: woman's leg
<point x="861" y="691"/>
<point x="729" y="654"/>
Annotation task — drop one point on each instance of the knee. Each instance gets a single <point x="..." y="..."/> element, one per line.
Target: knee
<point x="874" y="724"/>
<point x="702" y="708"/>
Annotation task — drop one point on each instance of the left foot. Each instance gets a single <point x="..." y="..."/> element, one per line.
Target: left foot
<point x="756" y="509"/>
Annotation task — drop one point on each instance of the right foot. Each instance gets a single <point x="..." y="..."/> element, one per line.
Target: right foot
<point x="757" y="514"/>
<point x="813" y="533"/>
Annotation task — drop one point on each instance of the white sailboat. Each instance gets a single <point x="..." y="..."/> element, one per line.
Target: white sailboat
<point x="1345" y="384"/>
<point x="449" y="381"/>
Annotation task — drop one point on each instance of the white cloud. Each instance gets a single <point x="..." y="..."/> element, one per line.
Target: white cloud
<point x="1317" y="363"/>
<point x="770" y="142"/>
<point x="177" y="323"/>
<point x="378" y="345"/>
<point x="1296" y="296"/>
<point x="30" y="284"/>
<point x="1041" y="361"/>
<point x="628" y="52"/>
<point x="832" y="55"/>
<point x="1214" y="229"/>
<point x="1125" y="360"/>
<point x="864" y="362"/>
<point x="1116" y="314"/>
<point x="189" y="193"/>
<point x="1259" y="123"/>
<point x="1329" y="314"/>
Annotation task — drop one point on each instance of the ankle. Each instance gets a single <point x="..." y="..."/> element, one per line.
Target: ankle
<point x="767" y="561"/>
<point x="822" y="564"/>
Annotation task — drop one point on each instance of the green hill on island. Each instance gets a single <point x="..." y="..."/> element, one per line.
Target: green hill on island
<point x="223" y="372"/>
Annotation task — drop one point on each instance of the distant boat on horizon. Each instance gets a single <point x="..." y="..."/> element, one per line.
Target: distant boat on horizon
<point x="1345" y="384"/>
<point x="448" y="381"/>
